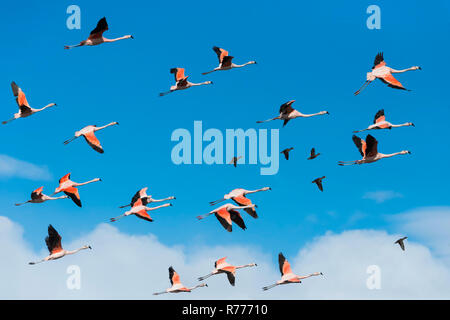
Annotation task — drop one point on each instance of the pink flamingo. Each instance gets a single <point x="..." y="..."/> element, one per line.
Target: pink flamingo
<point x="239" y="196"/>
<point x="227" y="214"/>
<point x="38" y="197"/>
<point x="181" y="82"/>
<point x="369" y="152"/>
<point x="288" y="113"/>
<point x="53" y="241"/>
<point x="225" y="61"/>
<point x="287" y="276"/>
<point x="88" y="133"/>
<point x="142" y="194"/>
<point x="380" y="123"/>
<point x="384" y="73"/>
<point x="221" y="266"/>
<point x="96" y="36"/>
<point x="24" y="108"/>
<point x="177" y="286"/>
<point x="140" y="211"/>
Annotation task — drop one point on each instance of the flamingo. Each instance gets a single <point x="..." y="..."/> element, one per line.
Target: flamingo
<point x="286" y="152"/>
<point x="88" y="133"/>
<point x="227" y="214"/>
<point x="369" y="152"/>
<point x="318" y="181"/>
<point x="177" y="286"/>
<point x="24" y="108"/>
<point x="142" y="194"/>
<point x="287" y="113"/>
<point x="239" y="197"/>
<point x="70" y="188"/>
<point x="234" y="161"/>
<point x="400" y="242"/>
<point x="38" y="197"/>
<point x="96" y="36"/>
<point x="225" y="61"/>
<point x="53" y="241"/>
<point x="313" y="154"/>
<point x="140" y="210"/>
<point x="384" y="73"/>
<point x="287" y="276"/>
<point x="221" y="266"/>
<point x="182" y="82"/>
<point x="380" y="122"/>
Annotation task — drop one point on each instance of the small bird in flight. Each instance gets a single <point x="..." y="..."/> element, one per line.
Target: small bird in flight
<point x="286" y="152"/>
<point x="318" y="181"/>
<point x="225" y="61"/>
<point x="400" y="242"/>
<point x="313" y="154"/>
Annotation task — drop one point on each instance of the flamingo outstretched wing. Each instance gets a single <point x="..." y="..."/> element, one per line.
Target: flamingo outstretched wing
<point x="36" y="194"/>
<point x="173" y="276"/>
<point x="371" y="149"/>
<point x="392" y="82"/>
<point x="360" y="144"/>
<point x="53" y="240"/>
<point x="221" y="53"/>
<point x="92" y="140"/>
<point x="101" y="27"/>
<point x="284" y="265"/>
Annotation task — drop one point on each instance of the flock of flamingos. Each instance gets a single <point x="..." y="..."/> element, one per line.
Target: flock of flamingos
<point x="228" y="213"/>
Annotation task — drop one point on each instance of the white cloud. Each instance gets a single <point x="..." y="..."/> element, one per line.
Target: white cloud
<point x="11" y="167"/>
<point x="382" y="195"/>
<point x="123" y="266"/>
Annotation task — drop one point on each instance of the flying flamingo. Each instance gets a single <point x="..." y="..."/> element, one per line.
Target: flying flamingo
<point x="286" y="152"/>
<point x="53" y="241"/>
<point x="287" y="113"/>
<point x="221" y="266"/>
<point x="225" y="61"/>
<point x="287" y="276"/>
<point x="234" y="161"/>
<point x="318" y="181"/>
<point x="400" y="242"/>
<point x="70" y="188"/>
<point x="88" y="133"/>
<point x="140" y="210"/>
<point x="239" y="197"/>
<point x="142" y="194"/>
<point x="96" y="36"/>
<point x="313" y="154"/>
<point x="182" y="82"/>
<point x="227" y="214"/>
<point x="38" y="197"/>
<point x="24" y="108"/>
<point x="384" y="73"/>
<point x="369" y="152"/>
<point x="380" y="123"/>
<point x="177" y="286"/>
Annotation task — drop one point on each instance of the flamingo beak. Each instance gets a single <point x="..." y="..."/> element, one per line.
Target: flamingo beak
<point x="131" y="37"/>
<point x="413" y="124"/>
<point x="90" y="247"/>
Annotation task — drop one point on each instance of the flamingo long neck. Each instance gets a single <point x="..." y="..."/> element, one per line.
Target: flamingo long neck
<point x="241" y="65"/>
<point x="390" y="155"/>
<point x="47" y="106"/>
<point x="197" y="286"/>
<point x="84" y="183"/>
<point x="245" y="266"/>
<point x="75" y="251"/>
<point x="56" y="198"/>
<point x="116" y="39"/>
<point x="402" y="70"/>
<point x="406" y="124"/>
<point x="298" y="114"/>
<point x="159" y="200"/>
<point x="253" y="191"/>
<point x="154" y="208"/>
<point x="105" y="126"/>
<point x="199" y="84"/>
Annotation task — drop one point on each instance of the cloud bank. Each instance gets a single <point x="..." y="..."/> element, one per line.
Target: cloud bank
<point x="11" y="167"/>
<point x="123" y="266"/>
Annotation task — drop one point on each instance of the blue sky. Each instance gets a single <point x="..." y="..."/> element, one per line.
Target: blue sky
<point x="316" y="53"/>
